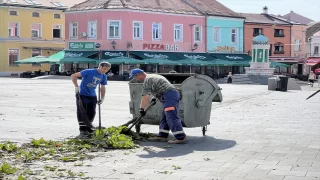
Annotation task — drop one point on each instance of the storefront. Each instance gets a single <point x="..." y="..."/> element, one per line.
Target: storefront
<point x="242" y="60"/>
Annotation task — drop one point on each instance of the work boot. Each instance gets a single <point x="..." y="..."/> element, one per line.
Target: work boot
<point x="84" y="135"/>
<point x="177" y="141"/>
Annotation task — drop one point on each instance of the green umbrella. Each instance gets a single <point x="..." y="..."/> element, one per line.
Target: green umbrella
<point x="124" y="60"/>
<point x="34" y="60"/>
<point x="58" y="55"/>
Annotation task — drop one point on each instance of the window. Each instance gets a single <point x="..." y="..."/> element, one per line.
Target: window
<point x="13" y="29"/>
<point x="13" y="56"/>
<point x="57" y="31"/>
<point x="137" y="30"/>
<point x="36" y="52"/>
<point x="35" y="14"/>
<point x="13" y="13"/>
<point x="197" y="33"/>
<point x="114" y="29"/>
<point x="316" y="50"/>
<point x="297" y="45"/>
<point x="216" y="35"/>
<point x="257" y="31"/>
<point x="279" y="48"/>
<point x="57" y="16"/>
<point x="278" y="33"/>
<point x="234" y="35"/>
<point x="35" y="30"/>
<point x="73" y="30"/>
<point x="178" y="32"/>
<point x="156" y="31"/>
<point x="92" y="29"/>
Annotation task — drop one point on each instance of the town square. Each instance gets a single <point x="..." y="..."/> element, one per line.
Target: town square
<point x="159" y="89"/>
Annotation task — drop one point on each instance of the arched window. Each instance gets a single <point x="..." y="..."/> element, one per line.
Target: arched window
<point x="35" y="14"/>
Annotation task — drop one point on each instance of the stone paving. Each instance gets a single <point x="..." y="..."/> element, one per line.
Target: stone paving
<point x="254" y="133"/>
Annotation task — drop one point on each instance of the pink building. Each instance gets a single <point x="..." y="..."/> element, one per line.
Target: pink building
<point x="141" y="29"/>
<point x="138" y="25"/>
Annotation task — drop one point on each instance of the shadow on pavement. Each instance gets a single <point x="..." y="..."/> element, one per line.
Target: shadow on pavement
<point x="195" y="143"/>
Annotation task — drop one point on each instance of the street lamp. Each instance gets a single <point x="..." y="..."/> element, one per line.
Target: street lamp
<point x="195" y="46"/>
<point x="113" y="43"/>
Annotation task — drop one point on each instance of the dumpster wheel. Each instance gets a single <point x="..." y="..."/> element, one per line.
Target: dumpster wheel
<point x="204" y="129"/>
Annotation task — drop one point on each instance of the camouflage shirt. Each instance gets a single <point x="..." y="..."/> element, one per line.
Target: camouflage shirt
<point x="156" y="85"/>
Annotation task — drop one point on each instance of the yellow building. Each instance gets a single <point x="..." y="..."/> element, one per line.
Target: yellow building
<point x="30" y="28"/>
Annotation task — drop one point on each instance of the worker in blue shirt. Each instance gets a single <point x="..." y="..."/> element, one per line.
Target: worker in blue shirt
<point x="91" y="78"/>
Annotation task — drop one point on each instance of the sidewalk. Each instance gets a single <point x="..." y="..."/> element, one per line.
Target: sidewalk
<point x="255" y="134"/>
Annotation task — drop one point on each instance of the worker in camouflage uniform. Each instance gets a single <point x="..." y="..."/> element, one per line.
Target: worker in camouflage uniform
<point x="163" y="90"/>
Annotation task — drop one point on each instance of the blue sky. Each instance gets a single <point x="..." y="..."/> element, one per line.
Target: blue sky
<point x="307" y="8"/>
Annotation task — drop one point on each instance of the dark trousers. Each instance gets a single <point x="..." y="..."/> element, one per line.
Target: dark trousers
<point x="89" y="104"/>
<point x="229" y="80"/>
<point x="170" y="119"/>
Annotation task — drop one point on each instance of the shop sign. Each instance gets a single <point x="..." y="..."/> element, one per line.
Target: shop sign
<point x="236" y="57"/>
<point x="114" y="54"/>
<point x="73" y="54"/>
<point x="158" y="56"/>
<point x="82" y="45"/>
<point x="168" y="47"/>
<point x="225" y="48"/>
<point x="194" y="56"/>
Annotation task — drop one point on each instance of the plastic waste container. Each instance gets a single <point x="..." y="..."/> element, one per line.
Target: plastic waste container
<point x="197" y="94"/>
<point x="282" y="83"/>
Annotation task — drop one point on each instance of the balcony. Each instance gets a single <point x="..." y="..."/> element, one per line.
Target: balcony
<point x="278" y="52"/>
<point x="278" y="35"/>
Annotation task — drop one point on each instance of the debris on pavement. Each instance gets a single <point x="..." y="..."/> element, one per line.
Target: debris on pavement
<point x="15" y="159"/>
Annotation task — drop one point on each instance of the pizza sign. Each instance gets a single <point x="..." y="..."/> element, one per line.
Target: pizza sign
<point x="167" y="47"/>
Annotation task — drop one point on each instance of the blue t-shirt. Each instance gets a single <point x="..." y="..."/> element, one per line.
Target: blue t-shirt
<point x="90" y="79"/>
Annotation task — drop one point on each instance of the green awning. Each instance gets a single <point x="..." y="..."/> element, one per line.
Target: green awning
<point x="193" y="62"/>
<point x="124" y="60"/>
<point x="113" y="54"/>
<point x="155" y="55"/>
<point x="197" y="56"/>
<point x="161" y="61"/>
<point x="277" y="64"/>
<point x="231" y="56"/>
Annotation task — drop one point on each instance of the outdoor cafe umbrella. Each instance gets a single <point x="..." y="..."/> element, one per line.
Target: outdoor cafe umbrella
<point x="34" y="60"/>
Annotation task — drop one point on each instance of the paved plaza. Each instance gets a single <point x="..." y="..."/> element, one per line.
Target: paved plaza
<point x="255" y="134"/>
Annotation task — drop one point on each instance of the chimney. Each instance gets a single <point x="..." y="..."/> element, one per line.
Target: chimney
<point x="265" y="10"/>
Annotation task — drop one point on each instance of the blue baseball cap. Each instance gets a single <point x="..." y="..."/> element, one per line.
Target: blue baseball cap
<point x="135" y="72"/>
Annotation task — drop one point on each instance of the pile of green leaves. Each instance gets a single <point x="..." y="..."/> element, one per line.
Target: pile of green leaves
<point x="68" y="150"/>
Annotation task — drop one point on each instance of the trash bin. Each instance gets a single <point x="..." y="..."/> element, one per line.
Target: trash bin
<point x="197" y="94"/>
<point x="282" y="83"/>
